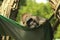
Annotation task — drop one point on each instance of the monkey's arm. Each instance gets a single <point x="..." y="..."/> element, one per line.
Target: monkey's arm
<point x="42" y="21"/>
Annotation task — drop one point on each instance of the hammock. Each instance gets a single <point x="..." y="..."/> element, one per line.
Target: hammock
<point x="15" y="30"/>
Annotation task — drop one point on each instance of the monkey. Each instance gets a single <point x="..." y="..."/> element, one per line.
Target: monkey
<point x="35" y="22"/>
<point x="32" y="21"/>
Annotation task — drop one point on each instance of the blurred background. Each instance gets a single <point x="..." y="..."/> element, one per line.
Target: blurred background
<point x="36" y="7"/>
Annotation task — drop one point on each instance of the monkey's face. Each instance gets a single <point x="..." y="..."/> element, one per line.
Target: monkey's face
<point x="32" y="23"/>
<point x="29" y="21"/>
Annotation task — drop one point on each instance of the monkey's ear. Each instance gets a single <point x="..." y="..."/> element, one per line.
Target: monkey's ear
<point x="23" y="22"/>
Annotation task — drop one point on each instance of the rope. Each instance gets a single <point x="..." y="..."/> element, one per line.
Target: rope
<point x="57" y="15"/>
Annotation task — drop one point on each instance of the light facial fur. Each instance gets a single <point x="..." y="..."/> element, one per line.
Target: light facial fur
<point x="31" y="21"/>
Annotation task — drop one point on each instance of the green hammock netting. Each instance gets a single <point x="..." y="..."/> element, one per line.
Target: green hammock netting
<point x="11" y="28"/>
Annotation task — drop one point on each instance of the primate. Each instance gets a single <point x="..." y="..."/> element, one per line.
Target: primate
<point x="32" y="21"/>
<point x="35" y="22"/>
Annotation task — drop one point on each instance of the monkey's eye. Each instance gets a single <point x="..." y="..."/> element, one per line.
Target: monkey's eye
<point x="30" y="20"/>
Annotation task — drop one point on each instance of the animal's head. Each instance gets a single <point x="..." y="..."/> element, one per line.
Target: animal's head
<point x="29" y="20"/>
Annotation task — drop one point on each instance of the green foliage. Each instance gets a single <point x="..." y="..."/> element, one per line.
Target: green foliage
<point x="43" y="10"/>
<point x="57" y="34"/>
